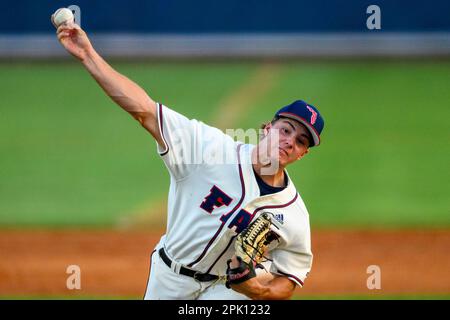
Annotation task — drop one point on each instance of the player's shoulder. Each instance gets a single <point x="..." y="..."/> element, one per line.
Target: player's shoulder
<point x="296" y="218"/>
<point x="298" y="204"/>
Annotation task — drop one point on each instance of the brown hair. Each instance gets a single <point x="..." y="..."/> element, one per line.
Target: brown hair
<point x="263" y="125"/>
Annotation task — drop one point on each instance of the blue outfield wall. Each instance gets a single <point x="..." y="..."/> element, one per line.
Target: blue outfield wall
<point x="230" y="16"/>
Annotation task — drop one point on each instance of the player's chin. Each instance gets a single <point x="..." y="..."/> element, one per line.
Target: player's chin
<point x="283" y="160"/>
<point x="284" y="164"/>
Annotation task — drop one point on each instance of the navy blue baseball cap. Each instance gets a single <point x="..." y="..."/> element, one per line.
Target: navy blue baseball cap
<point x="306" y="114"/>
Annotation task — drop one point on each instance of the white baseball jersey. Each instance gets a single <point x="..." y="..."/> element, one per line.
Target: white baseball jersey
<point x="214" y="195"/>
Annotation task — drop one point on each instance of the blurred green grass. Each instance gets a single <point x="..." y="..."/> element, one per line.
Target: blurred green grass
<point x="385" y="147"/>
<point x="69" y="156"/>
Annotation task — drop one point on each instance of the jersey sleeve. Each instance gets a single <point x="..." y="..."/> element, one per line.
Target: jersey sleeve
<point x="294" y="259"/>
<point x="186" y="141"/>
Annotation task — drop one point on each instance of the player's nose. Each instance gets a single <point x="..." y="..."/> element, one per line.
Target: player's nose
<point x="288" y="143"/>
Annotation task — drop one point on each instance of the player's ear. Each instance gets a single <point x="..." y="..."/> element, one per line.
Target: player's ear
<point x="267" y="128"/>
<point x="303" y="154"/>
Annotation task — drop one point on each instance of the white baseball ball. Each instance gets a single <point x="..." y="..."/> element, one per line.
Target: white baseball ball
<point x="62" y="15"/>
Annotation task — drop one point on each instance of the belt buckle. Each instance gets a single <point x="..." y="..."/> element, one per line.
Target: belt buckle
<point x="195" y="275"/>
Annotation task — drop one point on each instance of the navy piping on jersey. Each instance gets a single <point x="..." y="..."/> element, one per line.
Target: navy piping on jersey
<point x="220" y="256"/>
<point x="251" y="218"/>
<point x="274" y="206"/>
<point x="231" y="212"/>
<point x="162" y="130"/>
<point x="291" y="276"/>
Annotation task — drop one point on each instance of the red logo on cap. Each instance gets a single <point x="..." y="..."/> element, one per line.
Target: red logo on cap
<point x="313" y="115"/>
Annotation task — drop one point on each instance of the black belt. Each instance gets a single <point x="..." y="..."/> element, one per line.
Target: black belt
<point x="203" y="277"/>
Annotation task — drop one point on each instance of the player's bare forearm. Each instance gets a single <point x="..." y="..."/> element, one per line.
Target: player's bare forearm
<point x="279" y="288"/>
<point x="123" y="91"/>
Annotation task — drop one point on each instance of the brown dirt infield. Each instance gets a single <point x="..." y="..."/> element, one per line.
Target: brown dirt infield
<point x="115" y="263"/>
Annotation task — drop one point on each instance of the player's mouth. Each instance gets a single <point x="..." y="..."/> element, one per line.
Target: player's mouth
<point x="282" y="151"/>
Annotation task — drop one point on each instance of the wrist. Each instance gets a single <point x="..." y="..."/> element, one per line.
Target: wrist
<point x="88" y="56"/>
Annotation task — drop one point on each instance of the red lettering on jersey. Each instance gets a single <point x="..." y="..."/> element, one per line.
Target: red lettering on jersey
<point x="215" y="199"/>
<point x="240" y="221"/>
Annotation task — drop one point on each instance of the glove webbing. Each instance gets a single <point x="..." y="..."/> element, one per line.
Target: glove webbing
<point x="250" y="236"/>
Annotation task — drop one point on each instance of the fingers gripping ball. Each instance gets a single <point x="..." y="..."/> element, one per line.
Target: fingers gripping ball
<point x="250" y="247"/>
<point x="62" y="15"/>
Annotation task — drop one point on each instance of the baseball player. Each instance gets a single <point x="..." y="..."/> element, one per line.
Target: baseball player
<point x="217" y="188"/>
